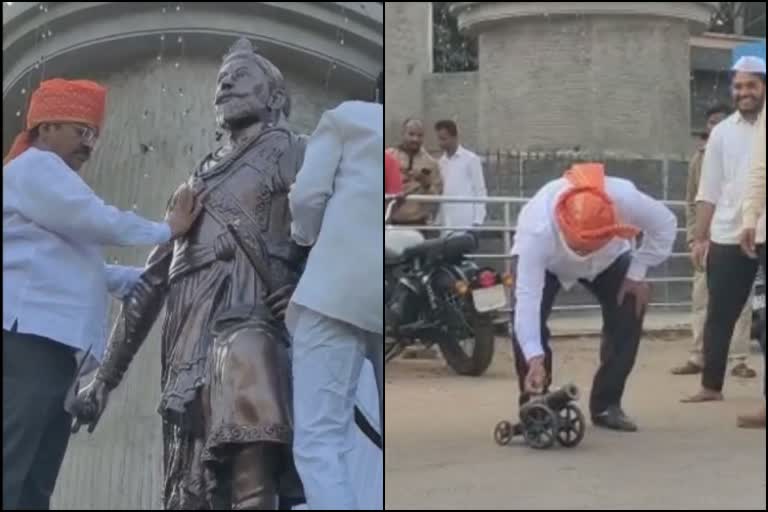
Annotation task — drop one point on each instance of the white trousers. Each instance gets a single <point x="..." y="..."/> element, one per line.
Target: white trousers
<point x="330" y="454"/>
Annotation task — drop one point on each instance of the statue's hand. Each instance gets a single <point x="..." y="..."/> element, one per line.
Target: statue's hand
<point x="278" y="301"/>
<point x="89" y="405"/>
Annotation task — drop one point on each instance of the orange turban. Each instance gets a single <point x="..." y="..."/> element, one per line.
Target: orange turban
<point x="585" y="214"/>
<point x="61" y="101"/>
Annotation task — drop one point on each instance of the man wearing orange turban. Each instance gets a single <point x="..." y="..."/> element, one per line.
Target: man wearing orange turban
<point x="55" y="280"/>
<point x="581" y="228"/>
<point x="65" y="117"/>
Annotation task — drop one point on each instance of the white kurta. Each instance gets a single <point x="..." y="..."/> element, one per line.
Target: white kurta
<point x="462" y="175"/>
<point x="55" y="280"/>
<point x="724" y="173"/>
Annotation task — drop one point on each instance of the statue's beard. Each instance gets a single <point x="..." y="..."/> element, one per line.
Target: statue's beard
<point x="240" y="123"/>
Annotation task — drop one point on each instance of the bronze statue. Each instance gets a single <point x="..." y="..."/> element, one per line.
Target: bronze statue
<point x="226" y="398"/>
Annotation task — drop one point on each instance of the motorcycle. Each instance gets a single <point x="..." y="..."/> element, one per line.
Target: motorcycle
<point x="435" y="295"/>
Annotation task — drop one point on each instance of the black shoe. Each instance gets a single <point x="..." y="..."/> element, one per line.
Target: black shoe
<point x="614" y="418"/>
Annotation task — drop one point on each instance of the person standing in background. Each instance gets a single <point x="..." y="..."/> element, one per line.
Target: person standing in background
<point x="699" y="299"/>
<point x="393" y="181"/>
<point x="753" y="241"/>
<point x="421" y="175"/>
<point x="730" y="273"/>
<point x="462" y="174"/>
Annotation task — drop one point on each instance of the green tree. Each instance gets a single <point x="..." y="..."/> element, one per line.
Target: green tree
<point x="452" y="51"/>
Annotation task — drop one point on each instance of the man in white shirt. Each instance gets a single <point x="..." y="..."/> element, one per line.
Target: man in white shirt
<point x="753" y="240"/>
<point x="462" y="173"/>
<point x="55" y="280"/>
<point x="742" y="335"/>
<point x="730" y="272"/>
<point x="336" y="314"/>
<point x="580" y="228"/>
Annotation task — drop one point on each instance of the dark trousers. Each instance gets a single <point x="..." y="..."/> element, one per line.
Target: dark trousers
<point x="37" y="373"/>
<point x="730" y="279"/>
<point x="620" y="338"/>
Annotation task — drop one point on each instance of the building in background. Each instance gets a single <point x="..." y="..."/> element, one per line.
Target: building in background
<point x="160" y="61"/>
<point x="569" y="59"/>
<point x="535" y="85"/>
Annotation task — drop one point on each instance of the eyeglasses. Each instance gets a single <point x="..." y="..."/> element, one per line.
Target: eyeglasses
<point x="87" y="134"/>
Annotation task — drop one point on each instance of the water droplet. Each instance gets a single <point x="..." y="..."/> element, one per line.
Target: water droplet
<point x="159" y="58"/>
<point x="23" y="91"/>
<point x="176" y="65"/>
<point x="42" y="7"/>
<point x="346" y="20"/>
<point x="178" y="8"/>
<point x="163" y="88"/>
<point x="43" y="36"/>
<point x="165" y="10"/>
<point x="18" y="113"/>
<point x="180" y="39"/>
<point x="135" y="206"/>
<point x="341" y="41"/>
<point x="181" y="92"/>
<point x="50" y="33"/>
<point x="146" y="175"/>
<point x="162" y="37"/>
<point x="115" y="261"/>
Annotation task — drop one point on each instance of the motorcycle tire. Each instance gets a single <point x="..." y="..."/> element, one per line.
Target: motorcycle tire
<point x="475" y="364"/>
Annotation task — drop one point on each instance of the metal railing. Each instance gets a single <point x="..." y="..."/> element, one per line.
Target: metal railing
<point x="508" y="228"/>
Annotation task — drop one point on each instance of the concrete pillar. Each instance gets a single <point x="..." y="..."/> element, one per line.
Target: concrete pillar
<point x="408" y="58"/>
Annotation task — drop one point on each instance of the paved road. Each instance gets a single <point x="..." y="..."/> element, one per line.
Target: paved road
<point x="440" y="453"/>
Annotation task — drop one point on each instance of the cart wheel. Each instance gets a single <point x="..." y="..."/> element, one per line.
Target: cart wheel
<point x="540" y="426"/>
<point x="572" y="426"/>
<point x="503" y="433"/>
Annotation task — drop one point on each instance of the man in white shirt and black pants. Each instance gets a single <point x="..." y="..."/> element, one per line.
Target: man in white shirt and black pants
<point x="580" y="228"/>
<point x="55" y="280"/>
<point x="730" y="273"/>
<point x="462" y="174"/>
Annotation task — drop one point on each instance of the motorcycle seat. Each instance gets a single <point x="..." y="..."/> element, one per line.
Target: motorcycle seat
<point x="443" y="248"/>
<point x="392" y="257"/>
<point x="395" y="242"/>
